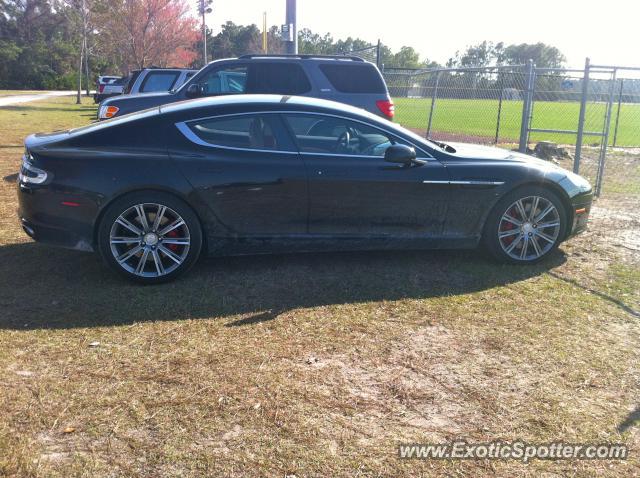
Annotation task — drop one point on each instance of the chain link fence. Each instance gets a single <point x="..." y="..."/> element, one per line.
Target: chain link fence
<point x="369" y="53"/>
<point x="586" y="111"/>
<point x="520" y="106"/>
<point x="475" y="105"/>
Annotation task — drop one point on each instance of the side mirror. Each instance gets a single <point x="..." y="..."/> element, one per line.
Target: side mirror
<point x="399" y="153"/>
<point x="194" y="91"/>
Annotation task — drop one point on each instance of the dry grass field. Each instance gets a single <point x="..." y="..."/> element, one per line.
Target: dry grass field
<point x="315" y="365"/>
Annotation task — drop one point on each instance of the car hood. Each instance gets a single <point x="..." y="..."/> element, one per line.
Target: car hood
<point x="572" y="183"/>
<point x="476" y="151"/>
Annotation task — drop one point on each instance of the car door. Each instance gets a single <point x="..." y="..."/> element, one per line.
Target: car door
<point x="354" y="191"/>
<point x="278" y="78"/>
<point x="224" y="80"/>
<point x="246" y="170"/>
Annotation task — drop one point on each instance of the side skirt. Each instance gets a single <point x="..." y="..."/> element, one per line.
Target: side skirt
<point x="218" y="246"/>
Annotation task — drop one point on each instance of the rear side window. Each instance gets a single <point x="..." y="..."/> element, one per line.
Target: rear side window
<point x="246" y="132"/>
<point x="159" y="81"/>
<point x="354" y="78"/>
<point x="278" y="78"/>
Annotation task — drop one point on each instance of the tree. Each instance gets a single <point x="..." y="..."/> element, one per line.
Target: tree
<point x="482" y="54"/>
<point x="310" y="43"/>
<point x="37" y="45"/>
<point x="492" y="54"/>
<point x="235" y="40"/>
<point x="544" y="56"/>
<point x="407" y="57"/>
<point x="149" y="32"/>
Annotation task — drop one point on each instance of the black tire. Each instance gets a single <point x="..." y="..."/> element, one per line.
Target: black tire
<point x="159" y="267"/>
<point x="499" y="239"/>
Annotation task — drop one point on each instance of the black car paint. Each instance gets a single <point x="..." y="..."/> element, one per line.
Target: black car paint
<point x="254" y="202"/>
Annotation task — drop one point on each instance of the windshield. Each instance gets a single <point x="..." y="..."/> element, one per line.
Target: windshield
<point x="414" y="137"/>
<point x="190" y="78"/>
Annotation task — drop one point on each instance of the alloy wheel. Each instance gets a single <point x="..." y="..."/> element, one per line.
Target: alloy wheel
<point x="529" y="228"/>
<point x="149" y="240"/>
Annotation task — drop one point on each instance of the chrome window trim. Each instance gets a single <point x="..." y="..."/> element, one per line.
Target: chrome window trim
<point x="184" y="128"/>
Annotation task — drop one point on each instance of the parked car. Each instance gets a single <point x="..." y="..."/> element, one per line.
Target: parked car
<point x="346" y="79"/>
<point x="269" y="173"/>
<point x="158" y="80"/>
<point x="113" y="88"/>
<point x="100" y="84"/>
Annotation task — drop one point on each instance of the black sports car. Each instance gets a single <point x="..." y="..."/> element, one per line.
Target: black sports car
<point x="153" y="190"/>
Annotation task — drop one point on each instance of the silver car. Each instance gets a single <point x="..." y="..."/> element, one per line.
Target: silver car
<point x="154" y="80"/>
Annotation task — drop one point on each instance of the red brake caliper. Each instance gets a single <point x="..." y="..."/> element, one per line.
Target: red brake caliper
<point x="173" y="247"/>
<point x="508" y="226"/>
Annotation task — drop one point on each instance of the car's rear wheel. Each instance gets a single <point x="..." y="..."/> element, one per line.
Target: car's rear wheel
<point x="526" y="225"/>
<point x="150" y="237"/>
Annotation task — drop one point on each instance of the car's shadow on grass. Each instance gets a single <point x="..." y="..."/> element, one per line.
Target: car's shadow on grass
<point x="43" y="287"/>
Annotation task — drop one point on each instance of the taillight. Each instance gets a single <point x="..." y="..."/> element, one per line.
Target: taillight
<point x="386" y="107"/>
<point x="107" y="112"/>
<point x="101" y="88"/>
<point x="29" y="174"/>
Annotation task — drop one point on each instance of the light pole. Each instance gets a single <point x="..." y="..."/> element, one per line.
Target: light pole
<point x="292" y="29"/>
<point x="204" y="7"/>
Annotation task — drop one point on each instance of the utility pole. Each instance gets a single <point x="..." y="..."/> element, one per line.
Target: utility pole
<point x="264" y="33"/>
<point x="292" y="29"/>
<point x="204" y="7"/>
<point x="86" y="66"/>
<point x="83" y="46"/>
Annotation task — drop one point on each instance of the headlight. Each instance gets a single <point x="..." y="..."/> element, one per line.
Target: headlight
<point x="29" y="174"/>
<point x="107" y="112"/>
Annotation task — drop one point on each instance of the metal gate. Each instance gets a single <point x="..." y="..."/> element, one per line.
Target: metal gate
<point x="593" y="91"/>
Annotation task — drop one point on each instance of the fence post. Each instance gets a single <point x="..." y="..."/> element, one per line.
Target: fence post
<point x="605" y="137"/>
<point x="615" y="131"/>
<point x="526" y="108"/>
<point x="434" y="95"/>
<point x="501" y="86"/>
<point x="583" y="109"/>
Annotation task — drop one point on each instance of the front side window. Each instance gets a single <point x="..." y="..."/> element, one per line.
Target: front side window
<point x="332" y="135"/>
<point x="246" y="132"/>
<point x="232" y="80"/>
<point x="159" y="81"/>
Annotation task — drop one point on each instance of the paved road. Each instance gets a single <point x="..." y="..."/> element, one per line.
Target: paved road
<point x="13" y="100"/>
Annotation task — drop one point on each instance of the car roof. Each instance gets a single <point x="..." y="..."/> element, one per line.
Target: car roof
<point x="295" y="58"/>
<point x="301" y="57"/>
<point x="262" y="100"/>
<point x="262" y="103"/>
<point x="302" y="104"/>
<point x="168" y="69"/>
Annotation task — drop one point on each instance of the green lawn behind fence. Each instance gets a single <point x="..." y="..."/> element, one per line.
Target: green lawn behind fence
<point x="479" y="118"/>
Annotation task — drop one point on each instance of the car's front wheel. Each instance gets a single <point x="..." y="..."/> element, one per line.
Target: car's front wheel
<point x="526" y="225"/>
<point x="150" y="237"/>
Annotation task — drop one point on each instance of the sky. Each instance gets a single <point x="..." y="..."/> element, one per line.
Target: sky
<point x="606" y="31"/>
